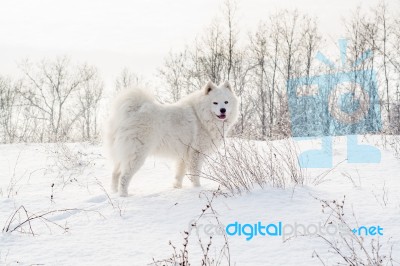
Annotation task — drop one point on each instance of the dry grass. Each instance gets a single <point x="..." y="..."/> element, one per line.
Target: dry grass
<point x="242" y="165"/>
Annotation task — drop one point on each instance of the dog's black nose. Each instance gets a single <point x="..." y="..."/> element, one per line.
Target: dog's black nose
<point x="222" y="110"/>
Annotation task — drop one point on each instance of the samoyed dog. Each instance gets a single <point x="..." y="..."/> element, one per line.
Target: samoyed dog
<point x="185" y="131"/>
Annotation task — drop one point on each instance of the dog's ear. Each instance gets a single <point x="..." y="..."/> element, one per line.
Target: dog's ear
<point x="208" y="87"/>
<point x="227" y="85"/>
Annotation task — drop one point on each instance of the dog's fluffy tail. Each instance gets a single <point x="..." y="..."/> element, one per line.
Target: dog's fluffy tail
<point x="125" y="103"/>
<point x="130" y="101"/>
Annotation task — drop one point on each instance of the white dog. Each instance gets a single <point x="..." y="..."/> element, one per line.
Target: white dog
<point x="186" y="131"/>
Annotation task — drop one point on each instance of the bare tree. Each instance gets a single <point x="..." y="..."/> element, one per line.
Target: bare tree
<point x="273" y="57"/>
<point x="281" y="49"/>
<point x="90" y="94"/>
<point x="8" y="110"/>
<point x="291" y="28"/>
<point x="127" y="80"/>
<point x="48" y="88"/>
<point x="60" y="100"/>
<point x="174" y="74"/>
<point x="230" y="8"/>
<point x="241" y="80"/>
<point x="384" y="29"/>
<point x="212" y="53"/>
<point x="258" y="44"/>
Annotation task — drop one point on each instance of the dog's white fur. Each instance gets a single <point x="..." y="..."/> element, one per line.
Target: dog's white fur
<point x="186" y="131"/>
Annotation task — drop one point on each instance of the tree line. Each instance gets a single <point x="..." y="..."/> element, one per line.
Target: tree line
<point x="55" y="100"/>
<point x="282" y="48"/>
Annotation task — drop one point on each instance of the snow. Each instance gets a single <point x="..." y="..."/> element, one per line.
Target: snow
<point x="104" y="229"/>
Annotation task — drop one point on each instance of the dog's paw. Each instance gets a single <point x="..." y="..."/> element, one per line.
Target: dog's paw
<point x="177" y="185"/>
<point x="123" y="194"/>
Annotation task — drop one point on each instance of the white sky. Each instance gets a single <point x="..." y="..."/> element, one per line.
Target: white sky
<point x="137" y="34"/>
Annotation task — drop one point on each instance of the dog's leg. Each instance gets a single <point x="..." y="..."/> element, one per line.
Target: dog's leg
<point x="127" y="173"/>
<point x="180" y="173"/>
<point x="115" y="177"/>
<point x="195" y="168"/>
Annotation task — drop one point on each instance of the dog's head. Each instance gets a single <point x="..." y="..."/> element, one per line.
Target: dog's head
<point x="222" y="100"/>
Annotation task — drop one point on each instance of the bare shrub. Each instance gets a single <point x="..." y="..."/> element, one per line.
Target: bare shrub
<point x="350" y="248"/>
<point x="183" y="256"/>
<point x="69" y="163"/>
<point x="243" y="164"/>
<point x="22" y="221"/>
<point x="116" y="204"/>
<point x="12" y="188"/>
<point x="392" y="142"/>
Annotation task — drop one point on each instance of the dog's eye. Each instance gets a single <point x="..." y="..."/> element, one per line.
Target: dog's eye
<point x="226" y="102"/>
<point x="215" y="103"/>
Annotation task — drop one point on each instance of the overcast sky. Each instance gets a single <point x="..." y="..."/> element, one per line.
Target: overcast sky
<point x="132" y="33"/>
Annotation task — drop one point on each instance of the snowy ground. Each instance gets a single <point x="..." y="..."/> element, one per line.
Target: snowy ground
<point x="102" y="229"/>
